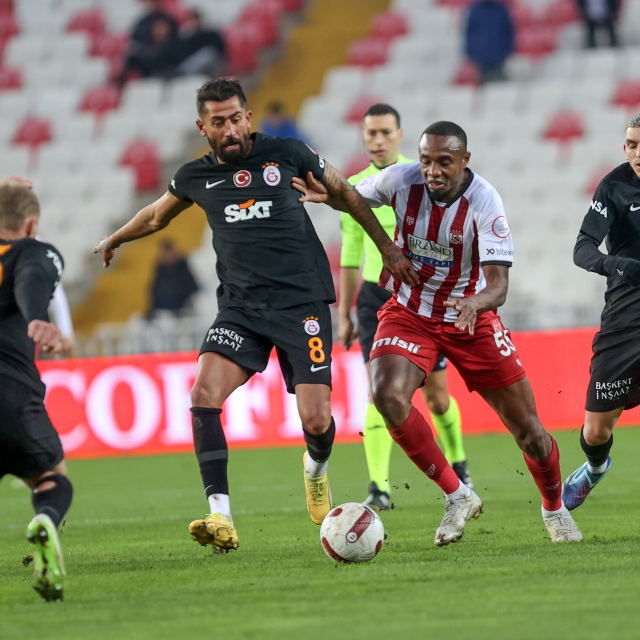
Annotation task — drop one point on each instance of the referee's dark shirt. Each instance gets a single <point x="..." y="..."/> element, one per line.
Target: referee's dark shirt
<point x="29" y="273"/>
<point x="268" y="253"/>
<point x="614" y="215"/>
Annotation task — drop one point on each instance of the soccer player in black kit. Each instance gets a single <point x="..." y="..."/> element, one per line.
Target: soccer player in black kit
<point x="614" y="215"/>
<point x="29" y="445"/>
<point x="275" y="287"/>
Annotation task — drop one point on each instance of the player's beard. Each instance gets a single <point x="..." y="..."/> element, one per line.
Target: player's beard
<point x="235" y="156"/>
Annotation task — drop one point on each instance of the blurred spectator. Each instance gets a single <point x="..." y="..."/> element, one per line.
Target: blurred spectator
<point x="142" y="32"/>
<point x="197" y="50"/>
<point x="173" y="283"/>
<point x="489" y="38"/>
<point x="599" y="15"/>
<point x="278" y="123"/>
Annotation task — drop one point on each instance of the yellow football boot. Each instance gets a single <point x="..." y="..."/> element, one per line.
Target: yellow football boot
<point x="318" y="494"/>
<point x="216" y="530"/>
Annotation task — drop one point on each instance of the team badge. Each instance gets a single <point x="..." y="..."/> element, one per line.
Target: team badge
<point x="311" y="326"/>
<point x="410" y="220"/>
<point x="500" y="227"/>
<point x="272" y="175"/>
<point x="496" y="324"/>
<point x="456" y="237"/>
<point x="242" y="178"/>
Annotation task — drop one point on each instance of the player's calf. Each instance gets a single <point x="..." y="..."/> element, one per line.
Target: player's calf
<point x="51" y="494"/>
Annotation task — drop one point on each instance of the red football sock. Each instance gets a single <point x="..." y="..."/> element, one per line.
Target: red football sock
<point x="546" y="474"/>
<point x="416" y="438"/>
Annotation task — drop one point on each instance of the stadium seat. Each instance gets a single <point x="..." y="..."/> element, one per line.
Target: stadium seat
<point x="10" y="78"/>
<point x="368" y="53"/>
<point x="359" y="107"/>
<point x="100" y="100"/>
<point x="565" y="126"/>
<point x="242" y="48"/>
<point x="466" y="75"/>
<point x="266" y="15"/>
<point x="145" y="93"/>
<point x="142" y="157"/>
<point x="560" y="12"/>
<point x="389" y="25"/>
<point x="627" y="95"/>
<point x="33" y="132"/>
<point x="357" y="164"/>
<point x="9" y="26"/>
<point x="91" y="21"/>
<point x="108" y="45"/>
<point x="536" y="41"/>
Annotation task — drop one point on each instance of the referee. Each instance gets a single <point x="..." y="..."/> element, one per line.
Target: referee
<point x="382" y="137"/>
<point x="614" y="216"/>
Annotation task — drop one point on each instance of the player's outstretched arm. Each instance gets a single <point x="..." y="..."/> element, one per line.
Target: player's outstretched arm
<point x="492" y="296"/>
<point x="152" y="218"/>
<point x="335" y="190"/>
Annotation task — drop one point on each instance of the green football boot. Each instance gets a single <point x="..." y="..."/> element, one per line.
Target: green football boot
<point x="47" y="558"/>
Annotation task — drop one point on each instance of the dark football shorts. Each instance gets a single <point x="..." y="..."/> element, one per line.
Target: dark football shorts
<point x="302" y="337"/>
<point x="371" y="297"/>
<point x="615" y="371"/>
<point x="29" y="445"/>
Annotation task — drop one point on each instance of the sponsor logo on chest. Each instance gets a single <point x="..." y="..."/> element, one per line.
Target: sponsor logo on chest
<point x="247" y="210"/>
<point x="429" y="252"/>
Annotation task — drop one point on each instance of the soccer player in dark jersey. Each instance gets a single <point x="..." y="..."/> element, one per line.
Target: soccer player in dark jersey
<point x="275" y="286"/>
<point x="615" y="367"/>
<point x="29" y="445"/>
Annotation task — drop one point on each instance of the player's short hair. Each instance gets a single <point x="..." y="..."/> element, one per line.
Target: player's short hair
<point x="17" y="203"/>
<point x="448" y="129"/>
<point x="634" y="123"/>
<point x="218" y="91"/>
<point x="382" y="109"/>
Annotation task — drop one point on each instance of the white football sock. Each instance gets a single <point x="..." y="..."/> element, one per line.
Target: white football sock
<point x="601" y="469"/>
<point x="461" y="492"/>
<point x="313" y="469"/>
<point x="546" y="514"/>
<point x="219" y="503"/>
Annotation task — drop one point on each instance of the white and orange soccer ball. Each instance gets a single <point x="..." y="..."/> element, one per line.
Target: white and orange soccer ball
<point x="352" y="533"/>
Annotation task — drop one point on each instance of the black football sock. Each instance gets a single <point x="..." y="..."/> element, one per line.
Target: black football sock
<point x="597" y="454"/>
<point x="54" y="502"/>
<point x="319" y="447"/>
<point x="211" y="449"/>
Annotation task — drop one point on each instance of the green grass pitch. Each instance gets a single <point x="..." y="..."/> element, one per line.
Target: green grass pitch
<point x="134" y="572"/>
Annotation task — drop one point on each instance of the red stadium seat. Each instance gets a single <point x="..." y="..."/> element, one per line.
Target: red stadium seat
<point x="292" y="5"/>
<point x="565" y="126"/>
<point x="537" y="41"/>
<point x="108" y="45"/>
<point x="561" y="12"/>
<point x="100" y="100"/>
<point x="389" y="25"/>
<point x="266" y="15"/>
<point x="91" y="21"/>
<point x="242" y="48"/>
<point x="368" y="53"/>
<point x="467" y="74"/>
<point x="9" y="26"/>
<point x="627" y="94"/>
<point x="524" y="17"/>
<point x="357" y="164"/>
<point x="6" y="7"/>
<point x="10" y="78"/>
<point x="142" y="156"/>
<point x="359" y="107"/>
<point x="33" y="132"/>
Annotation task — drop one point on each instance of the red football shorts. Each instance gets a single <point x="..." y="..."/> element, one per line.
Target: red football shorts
<point x="486" y="360"/>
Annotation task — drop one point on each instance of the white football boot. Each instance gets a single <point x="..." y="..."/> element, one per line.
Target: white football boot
<point x="457" y="513"/>
<point x="561" y="527"/>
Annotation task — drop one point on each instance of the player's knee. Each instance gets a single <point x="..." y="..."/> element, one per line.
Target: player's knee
<point x="204" y="396"/>
<point x="438" y="404"/>
<point x="389" y="398"/>
<point x="595" y="434"/>
<point x="315" y="422"/>
<point x="535" y="442"/>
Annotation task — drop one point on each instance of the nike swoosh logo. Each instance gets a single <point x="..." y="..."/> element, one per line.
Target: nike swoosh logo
<point x="314" y="368"/>
<point x="632" y="208"/>
<point x="210" y="186"/>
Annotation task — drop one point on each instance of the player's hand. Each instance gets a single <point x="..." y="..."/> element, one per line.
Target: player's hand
<point x="400" y="267"/>
<point x="346" y="333"/>
<point x="25" y="182"/>
<point x="311" y="189"/>
<point x="104" y="247"/>
<point x="46" y="335"/>
<point x="66" y="347"/>
<point x="468" y="309"/>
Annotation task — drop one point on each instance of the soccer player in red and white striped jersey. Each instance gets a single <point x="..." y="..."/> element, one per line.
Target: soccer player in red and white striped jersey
<point x="451" y="223"/>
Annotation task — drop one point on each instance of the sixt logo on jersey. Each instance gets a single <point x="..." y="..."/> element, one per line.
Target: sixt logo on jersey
<point x="247" y="210"/>
<point x="597" y="207"/>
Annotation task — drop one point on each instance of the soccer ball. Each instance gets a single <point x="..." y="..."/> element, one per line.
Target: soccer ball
<point x="352" y="533"/>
